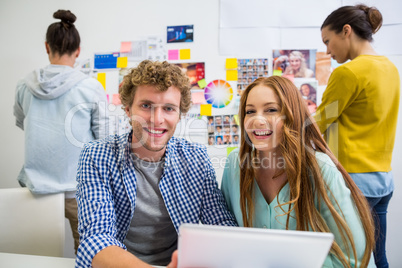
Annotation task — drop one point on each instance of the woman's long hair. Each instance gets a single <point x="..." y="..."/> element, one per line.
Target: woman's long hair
<point x="301" y="138"/>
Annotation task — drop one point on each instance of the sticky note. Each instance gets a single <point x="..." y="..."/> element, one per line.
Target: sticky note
<point x="173" y="54"/>
<point x="185" y="54"/>
<point x="121" y="62"/>
<point x="229" y="150"/>
<point x="231" y="75"/>
<point x="291" y="77"/>
<point x="206" y="109"/>
<point x="116" y="99"/>
<point x="236" y="118"/>
<point x="231" y="63"/>
<point x="197" y="97"/>
<point x="202" y="83"/>
<point x="277" y="72"/>
<point x="102" y="79"/>
<point x="125" y="47"/>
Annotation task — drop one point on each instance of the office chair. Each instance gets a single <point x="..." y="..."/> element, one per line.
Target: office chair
<point x="31" y="224"/>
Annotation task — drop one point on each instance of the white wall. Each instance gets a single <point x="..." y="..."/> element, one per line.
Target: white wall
<point x="103" y="25"/>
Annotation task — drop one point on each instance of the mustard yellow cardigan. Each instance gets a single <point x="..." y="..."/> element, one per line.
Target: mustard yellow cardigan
<point x="358" y="113"/>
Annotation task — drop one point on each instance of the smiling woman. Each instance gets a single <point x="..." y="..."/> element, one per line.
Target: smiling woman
<point x="263" y="121"/>
<point x="285" y="177"/>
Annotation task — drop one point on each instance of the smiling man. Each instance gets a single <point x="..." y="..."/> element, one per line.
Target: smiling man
<point x="136" y="189"/>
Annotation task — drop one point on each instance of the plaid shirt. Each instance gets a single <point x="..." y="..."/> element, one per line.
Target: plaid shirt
<point x="106" y="192"/>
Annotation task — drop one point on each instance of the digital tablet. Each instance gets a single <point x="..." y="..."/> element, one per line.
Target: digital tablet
<point x="240" y="247"/>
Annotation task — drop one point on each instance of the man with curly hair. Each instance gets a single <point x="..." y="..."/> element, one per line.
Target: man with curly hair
<point x="136" y="189"/>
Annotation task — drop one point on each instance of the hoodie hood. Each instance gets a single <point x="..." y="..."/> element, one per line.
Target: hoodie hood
<point x="53" y="81"/>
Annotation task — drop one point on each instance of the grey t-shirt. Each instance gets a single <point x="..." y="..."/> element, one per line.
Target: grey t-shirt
<point x="152" y="236"/>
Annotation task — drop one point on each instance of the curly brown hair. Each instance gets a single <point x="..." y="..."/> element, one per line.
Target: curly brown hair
<point x="162" y="75"/>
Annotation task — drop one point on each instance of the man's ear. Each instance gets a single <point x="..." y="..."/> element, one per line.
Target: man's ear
<point x="127" y="110"/>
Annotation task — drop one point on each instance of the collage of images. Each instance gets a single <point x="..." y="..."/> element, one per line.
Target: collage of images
<point x="296" y="65"/>
<point x="223" y="129"/>
<point x="248" y="70"/>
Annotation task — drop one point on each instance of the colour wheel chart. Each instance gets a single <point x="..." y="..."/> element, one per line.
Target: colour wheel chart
<point x="219" y="93"/>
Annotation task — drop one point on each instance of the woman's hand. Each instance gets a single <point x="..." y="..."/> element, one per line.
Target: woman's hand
<point x="279" y="61"/>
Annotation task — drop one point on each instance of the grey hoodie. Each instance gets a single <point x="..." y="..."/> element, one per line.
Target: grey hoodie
<point x="60" y="109"/>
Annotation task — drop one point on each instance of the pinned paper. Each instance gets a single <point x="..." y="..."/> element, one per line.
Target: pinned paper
<point x="229" y="150"/>
<point x="121" y="62"/>
<point x="116" y="99"/>
<point x="198" y="97"/>
<point x="185" y="54"/>
<point x="125" y="47"/>
<point x="277" y="72"/>
<point x="173" y="54"/>
<point x="231" y="75"/>
<point x="236" y="118"/>
<point x="202" y="83"/>
<point x="102" y="79"/>
<point x="231" y="63"/>
<point x="206" y="109"/>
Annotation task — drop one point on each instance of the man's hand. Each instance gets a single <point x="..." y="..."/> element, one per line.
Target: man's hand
<point x="173" y="262"/>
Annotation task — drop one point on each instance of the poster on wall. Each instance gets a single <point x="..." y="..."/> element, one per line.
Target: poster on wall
<point x="223" y="130"/>
<point x="156" y="48"/>
<point x="294" y="63"/>
<point x="249" y="70"/>
<point x="195" y="72"/>
<point x="181" y="33"/>
<point x="308" y="89"/>
<point x="151" y="48"/>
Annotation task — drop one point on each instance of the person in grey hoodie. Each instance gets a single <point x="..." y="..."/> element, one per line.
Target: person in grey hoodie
<point x="60" y="109"/>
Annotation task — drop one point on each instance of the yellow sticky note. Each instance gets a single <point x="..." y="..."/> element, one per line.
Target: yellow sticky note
<point x="236" y="118"/>
<point x="206" y="109"/>
<point x="277" y="72"/>
<point x="121" y="62"/>
<point x="231" y="63"/>
<point x="202" y="83"/>
<point x="231" y="75"/>
<point x="185" y="54"/>
<point x="102" y="79"/>
<point x="229" y="150"/>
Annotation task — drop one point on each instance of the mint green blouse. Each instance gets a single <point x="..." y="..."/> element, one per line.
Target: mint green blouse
<point x="269" y="215"/>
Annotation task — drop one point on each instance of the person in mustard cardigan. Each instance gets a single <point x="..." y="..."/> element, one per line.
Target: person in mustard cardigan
<point x="359" y="108"/>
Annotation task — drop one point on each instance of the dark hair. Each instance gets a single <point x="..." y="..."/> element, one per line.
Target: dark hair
<point x="365" y="21"/>
<point x="63" y="37"/>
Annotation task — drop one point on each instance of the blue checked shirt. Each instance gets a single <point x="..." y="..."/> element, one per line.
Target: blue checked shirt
<point x="106" y="192"/>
